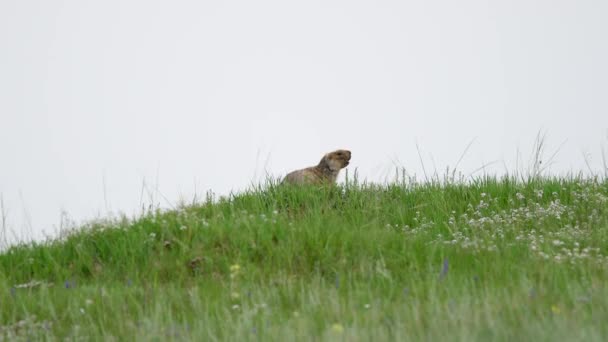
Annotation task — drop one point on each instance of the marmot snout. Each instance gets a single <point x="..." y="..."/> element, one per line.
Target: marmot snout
<point x="325" y="172"/>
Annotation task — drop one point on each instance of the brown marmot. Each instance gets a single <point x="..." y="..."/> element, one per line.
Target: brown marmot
<point x="326" y="172"/>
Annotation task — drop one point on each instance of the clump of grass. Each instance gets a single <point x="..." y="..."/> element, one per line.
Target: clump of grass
<point x="487" y="259"/>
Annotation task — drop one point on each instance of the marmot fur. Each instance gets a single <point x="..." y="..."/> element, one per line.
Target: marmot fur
<point x="326" y="172"/>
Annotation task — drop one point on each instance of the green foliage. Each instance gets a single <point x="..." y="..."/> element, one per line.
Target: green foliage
<point x="490" y="259"/>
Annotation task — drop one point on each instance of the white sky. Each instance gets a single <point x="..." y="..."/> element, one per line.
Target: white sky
<point x="198" y="95"/>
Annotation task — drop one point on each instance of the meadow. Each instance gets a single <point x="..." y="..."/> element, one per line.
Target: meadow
<point x="487" y="259"/>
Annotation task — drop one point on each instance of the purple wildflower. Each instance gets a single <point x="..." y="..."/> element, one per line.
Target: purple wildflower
<point x="444" y="269"/>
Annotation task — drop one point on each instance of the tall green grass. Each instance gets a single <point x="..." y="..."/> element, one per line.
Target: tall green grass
<point x="489" y="259"/>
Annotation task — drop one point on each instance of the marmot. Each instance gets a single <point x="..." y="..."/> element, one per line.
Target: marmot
<point x="326" y="172"/>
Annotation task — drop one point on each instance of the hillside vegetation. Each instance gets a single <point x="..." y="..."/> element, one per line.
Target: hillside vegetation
<point x="490" y="259"/>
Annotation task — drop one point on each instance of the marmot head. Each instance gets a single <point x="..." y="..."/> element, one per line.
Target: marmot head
<point x="336" y="160"/>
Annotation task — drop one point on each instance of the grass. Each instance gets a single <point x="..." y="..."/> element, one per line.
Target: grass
<point x="490" y="259"/>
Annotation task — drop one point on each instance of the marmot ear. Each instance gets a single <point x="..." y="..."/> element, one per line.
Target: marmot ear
<point x="324" y="159"/>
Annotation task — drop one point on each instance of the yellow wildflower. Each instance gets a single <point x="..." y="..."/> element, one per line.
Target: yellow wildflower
<point x="337" y="328"/>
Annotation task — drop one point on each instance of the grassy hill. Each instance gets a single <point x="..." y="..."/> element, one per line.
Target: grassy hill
<point x="492" y="259"/>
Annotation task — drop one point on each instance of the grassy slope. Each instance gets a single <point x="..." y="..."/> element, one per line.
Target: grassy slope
<point x="490" y="260"/>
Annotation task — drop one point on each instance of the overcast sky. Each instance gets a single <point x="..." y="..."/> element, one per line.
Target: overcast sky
<point x="100" y="97"/>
